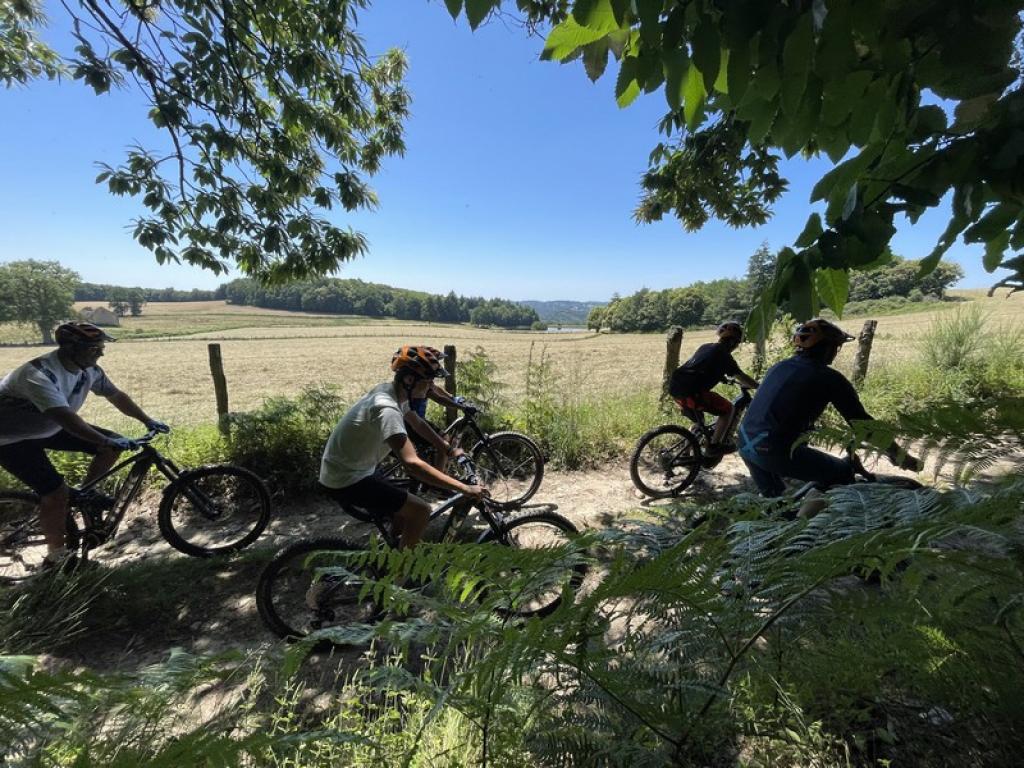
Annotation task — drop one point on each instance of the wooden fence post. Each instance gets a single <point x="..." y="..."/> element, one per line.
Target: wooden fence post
<point x="220" y="387"/>
<point x="672" y="343"/>
<point x="864" y="341"/>
<point x="450" y="357"/>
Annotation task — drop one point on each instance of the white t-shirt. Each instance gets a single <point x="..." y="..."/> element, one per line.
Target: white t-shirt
<point x="358" y="442"/>
<point x="38" y="385"/>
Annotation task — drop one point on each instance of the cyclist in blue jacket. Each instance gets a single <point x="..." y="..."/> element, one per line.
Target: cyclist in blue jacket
<point x="792" y="396"/>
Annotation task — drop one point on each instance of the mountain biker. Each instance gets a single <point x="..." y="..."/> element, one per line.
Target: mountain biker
<point x="692" y="382"/>
<point x="793" y="395"/>
<point x="39" y="403"/>
<point x="416" y="417"/>
<point x="371" y="427"/>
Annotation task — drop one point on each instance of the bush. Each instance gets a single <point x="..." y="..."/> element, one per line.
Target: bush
<point x="538" y="325"/>
<point x="955" y="339"/>
<point x="282" y="441"/>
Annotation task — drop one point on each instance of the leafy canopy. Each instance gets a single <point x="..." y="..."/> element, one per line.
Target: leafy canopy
<point x="272" y="113"/>
<point x="910" y="99"/>
<point x="37" y="292"/>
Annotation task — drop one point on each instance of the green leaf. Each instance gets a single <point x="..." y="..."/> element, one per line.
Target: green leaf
<point x="811" y="232"/>
<point x="707" y="54"/>
<point x="738" y="72"/>
<point x="844" y="174"/>
<point x="649" y="13"/>
<point x="477" y="11"/>
<point x="994" y="250"/>
<point x="693" y="105"/>
<point x="721" y="84"/>
<point x="595" y="15"/>
<point x="595" y="58"/>
<point x="454" y="7"/>
<point x="833" y="287"/>
<point x="566" y="38"/>
<point x="993" y="223"/>
<point x="676" y="64"/>
<point x="797" y="58"/>
<point x="842" y="96"/>
<point x="762" y="118"/>
<point x="626" y="86"/>
<point x="835" y="52"/>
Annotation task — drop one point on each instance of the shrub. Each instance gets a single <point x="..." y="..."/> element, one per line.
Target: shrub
<point x="282" y="441"/>
<point x="955" y="339"/>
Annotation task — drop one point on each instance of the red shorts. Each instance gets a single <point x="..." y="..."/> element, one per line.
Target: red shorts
<point x="710" y="402"/>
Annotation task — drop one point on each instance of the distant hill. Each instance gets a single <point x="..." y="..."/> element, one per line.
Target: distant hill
<point x="563" y="312"/>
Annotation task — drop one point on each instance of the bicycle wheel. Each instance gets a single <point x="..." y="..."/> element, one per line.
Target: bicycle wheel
<point x="543" y="594"/>
<point x="510" y="465"/>
<point x="214" y="510"/>
<point x="665" y="461"/>
<point x="309" y="586"/>
<point x="22" y="546"/>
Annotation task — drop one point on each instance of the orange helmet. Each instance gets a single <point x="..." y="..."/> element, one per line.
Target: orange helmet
<point x="818" y="331"/>
<point x="81" y="333"/>
<point x="425" y="362"/>
<point x="730" y="329"/>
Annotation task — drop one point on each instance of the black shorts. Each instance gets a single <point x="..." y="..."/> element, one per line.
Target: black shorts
<point x="377" y="496"/>
<point x="28" y="462"/>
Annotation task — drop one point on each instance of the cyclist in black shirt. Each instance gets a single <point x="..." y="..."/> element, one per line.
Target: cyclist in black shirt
<point x="791" y="398"/>
<point x="691" y="383"/>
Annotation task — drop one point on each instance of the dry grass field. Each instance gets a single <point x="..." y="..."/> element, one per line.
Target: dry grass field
<point x="269" y="353"/>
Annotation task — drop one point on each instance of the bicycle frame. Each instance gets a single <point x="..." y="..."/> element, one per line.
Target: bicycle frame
<point x="739" y="406"/>
<point x="491" y="514"/>
<point x="145" y="459"/>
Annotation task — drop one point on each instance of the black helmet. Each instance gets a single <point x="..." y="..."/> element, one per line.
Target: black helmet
<point x="81" y="333"/>
<point x="730" y="329"/>
<point x="819" y="331"/>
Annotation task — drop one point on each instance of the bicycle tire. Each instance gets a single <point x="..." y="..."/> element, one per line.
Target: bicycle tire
<point x="285" y="583"/>
<point x="547" y="527"/>
<point x="899" y="481"/>
<point x="241" y="506"/>
<point x="22" y="546"/>
<point x="659" y="454"/>
<point x="511" y="465"/>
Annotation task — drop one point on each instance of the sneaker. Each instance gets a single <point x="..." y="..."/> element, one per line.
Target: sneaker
<point x="62" y="561"/>
<point x="315" y="594"/>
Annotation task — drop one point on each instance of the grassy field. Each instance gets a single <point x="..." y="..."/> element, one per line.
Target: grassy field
<point x="162" y="359"/>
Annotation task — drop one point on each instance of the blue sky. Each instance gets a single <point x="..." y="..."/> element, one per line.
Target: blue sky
<point x="519" y="180"/>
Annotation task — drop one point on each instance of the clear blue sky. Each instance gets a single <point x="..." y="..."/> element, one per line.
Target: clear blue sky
<point x="519" y="180"/>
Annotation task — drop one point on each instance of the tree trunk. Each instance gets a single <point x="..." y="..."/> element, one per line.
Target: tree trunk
<point x="860" y="362"/>
<point x="46" y="330"/>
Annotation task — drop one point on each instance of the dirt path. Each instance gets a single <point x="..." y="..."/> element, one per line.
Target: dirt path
<point x="154" y="598"/>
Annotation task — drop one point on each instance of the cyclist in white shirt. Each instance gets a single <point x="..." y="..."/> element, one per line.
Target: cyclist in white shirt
<point x="368" y="430"/>
<point x="39" y="404"/>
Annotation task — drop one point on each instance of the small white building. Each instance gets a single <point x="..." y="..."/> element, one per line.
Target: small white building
<point x="99" y="316"/>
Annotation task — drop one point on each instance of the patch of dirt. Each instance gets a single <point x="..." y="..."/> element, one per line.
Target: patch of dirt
<point x="166" y="599"/>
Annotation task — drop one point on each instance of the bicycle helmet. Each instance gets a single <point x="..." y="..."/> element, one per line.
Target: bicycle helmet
<point x="81" y="333"/>
<point x="422" y="361"/>
<point x="730" y="329"/>
<point x="819" y="331"/>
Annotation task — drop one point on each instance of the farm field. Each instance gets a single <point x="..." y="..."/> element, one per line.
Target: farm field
<point x="269" y="353"/>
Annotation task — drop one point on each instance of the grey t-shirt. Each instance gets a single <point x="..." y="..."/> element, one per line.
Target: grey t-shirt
<point x="27" y="392"/>
<point x="358" y="442"/>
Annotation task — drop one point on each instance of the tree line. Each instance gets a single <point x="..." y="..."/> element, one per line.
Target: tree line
<point x="709" y="303"/>
<point x="356" y="297"/>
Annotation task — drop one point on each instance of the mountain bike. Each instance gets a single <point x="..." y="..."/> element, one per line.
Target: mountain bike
<point x="205" y="511"/>
<point x="668" y="459"/>
<point x="318" y="584"/>
<point x="510" y="464"/>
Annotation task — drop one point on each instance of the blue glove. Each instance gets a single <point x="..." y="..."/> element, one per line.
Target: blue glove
<point x="157" y="426"/>
<point x="121" y="443"/>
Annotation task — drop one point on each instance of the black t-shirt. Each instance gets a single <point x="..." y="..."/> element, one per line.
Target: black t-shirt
<point x="792" y="397"/>
<point x="708" y="367"/>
